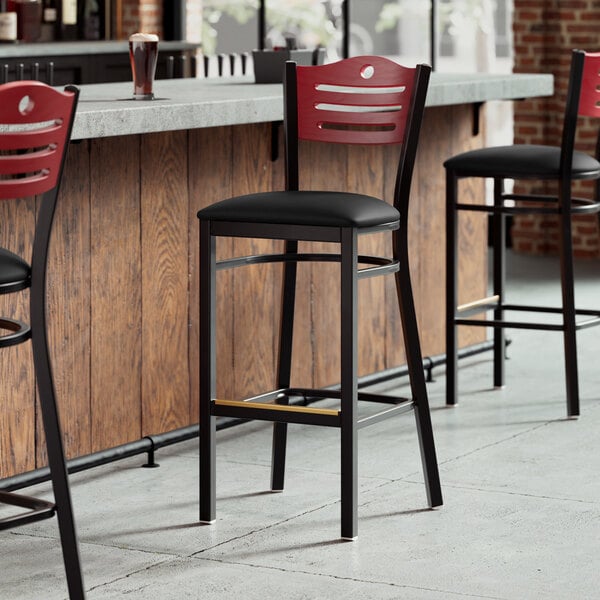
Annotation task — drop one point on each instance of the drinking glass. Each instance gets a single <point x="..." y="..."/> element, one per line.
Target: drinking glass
<point x="143" y="54"/>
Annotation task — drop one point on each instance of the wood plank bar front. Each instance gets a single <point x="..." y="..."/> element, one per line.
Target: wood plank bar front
<point x="123" y="280"/>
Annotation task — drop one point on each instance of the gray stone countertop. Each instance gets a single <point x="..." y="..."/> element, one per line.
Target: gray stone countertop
<point x="44" y="49"/>
<point x="107" y="109"/>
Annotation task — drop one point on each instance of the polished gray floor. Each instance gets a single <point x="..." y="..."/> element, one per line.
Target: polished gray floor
<point x="521" y="485"/>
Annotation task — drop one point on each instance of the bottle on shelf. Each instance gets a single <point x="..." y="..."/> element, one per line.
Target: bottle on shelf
<point x="67" y="19"/>
<point x="91" y="19"/>
<point x="8" y="23"/>
<point x="29" y="19"/>
<point x="48" y="32"/>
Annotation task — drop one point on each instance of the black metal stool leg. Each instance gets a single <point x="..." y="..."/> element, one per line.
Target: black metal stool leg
<point x="499" y="252"/>
<point x="349" y="383"/>
<point x="284" y="366"/>
<point x="451" y="289"/>
<point x="414" y="360"/>
<point x="568" y="300"/>
<point x="207" y="374"/>
<point x="54" y="445"/>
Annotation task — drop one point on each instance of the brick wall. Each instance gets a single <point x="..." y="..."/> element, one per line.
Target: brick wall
<point x="146" y="16"/>
<point x="141" y="15"/>
<point x="545" y="32"/>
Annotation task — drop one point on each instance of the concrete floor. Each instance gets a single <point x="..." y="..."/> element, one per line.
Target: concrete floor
<point x="521" y="485"/>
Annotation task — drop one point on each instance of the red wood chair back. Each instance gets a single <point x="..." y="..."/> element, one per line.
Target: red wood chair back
<point x="362" y="100"/>
<point x="589" y="99"/>
<point x="35" y="126"/>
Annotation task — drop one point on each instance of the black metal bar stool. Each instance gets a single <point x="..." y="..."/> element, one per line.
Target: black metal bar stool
<point x="363" y="100"/>
<point x="526" y="162"/>
<point x="36" y="121"/>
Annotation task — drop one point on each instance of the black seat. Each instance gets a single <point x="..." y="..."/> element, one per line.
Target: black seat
<point x="322" y="209"/>
<point x="561" y="165"/>
<point x="525" y="161"/>
<point x="363" y="100"/>
<point x="36" y="123"/>
<point x="14" y="272"/>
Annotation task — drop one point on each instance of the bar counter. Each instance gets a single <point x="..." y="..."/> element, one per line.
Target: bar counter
<point x="123" y="278"/>
<point x="107" y="110"/>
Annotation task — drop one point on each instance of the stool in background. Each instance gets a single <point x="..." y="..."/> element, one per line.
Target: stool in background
<point x="526" y="162"/>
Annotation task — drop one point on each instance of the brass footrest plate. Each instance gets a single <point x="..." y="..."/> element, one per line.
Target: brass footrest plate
<point x="283" y="413"/>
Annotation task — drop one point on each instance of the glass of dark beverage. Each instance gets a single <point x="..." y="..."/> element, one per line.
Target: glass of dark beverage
<point x="143" y="53"/>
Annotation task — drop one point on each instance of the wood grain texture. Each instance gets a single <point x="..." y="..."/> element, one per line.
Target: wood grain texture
<point x="116" y="312"/>
<point x="365" y="176"/>
<point x="123" y="294"/>
<point x="164" y="246"/>
<point x="472" y="226"/>
<point x="17" y="394"/>
<point x="394" y="341"/>
<point x="256" y="289"/>
<point x="324" y="167"/>
<point x="427" y="225"/>
<point x="207" y="185"/>
<point x="68" y="305"/>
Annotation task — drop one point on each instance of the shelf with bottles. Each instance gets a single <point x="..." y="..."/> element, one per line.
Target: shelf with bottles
<point x="54" y="20"/>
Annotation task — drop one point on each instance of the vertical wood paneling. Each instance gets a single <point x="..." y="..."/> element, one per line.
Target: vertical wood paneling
<point x="472" y="226"/>
<point x="256" y="289"/>
<point x="123" y="294"/>
<point x="302" y="349"/>
<point x="427" y="226"/>
<point x="366" y="176"/>
<point x="116" y="348"/>
<point x="207" y="185"/>
<point x="164" y="218"/>
<point x="325" y="167"/>
<point x="17" y="393"/>
<point x="394" y="342"/>
<point x="210" y="174"/>
<point x="69" y="304"/>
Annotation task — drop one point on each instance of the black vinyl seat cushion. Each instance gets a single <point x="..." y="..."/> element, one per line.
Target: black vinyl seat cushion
<point x="13" y="269"/>
<point x="312" y="208"/>
<point x="521" y="161"/>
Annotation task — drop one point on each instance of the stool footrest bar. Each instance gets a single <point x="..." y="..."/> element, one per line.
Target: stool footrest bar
<point x="20" y="332"/>
<point x="466" y="310"/>
<point x="489" y="303"/>
<point x="384" y="414"/>
<point x="337" y="394"/>
<point x="508" y="324"/>
<point x="37" y="510"/>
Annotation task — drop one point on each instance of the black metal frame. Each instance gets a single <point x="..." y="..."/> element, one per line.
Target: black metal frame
<point x="279" y="410"/>
<point x="564" y="206"/>
<point x="37" y="331"/>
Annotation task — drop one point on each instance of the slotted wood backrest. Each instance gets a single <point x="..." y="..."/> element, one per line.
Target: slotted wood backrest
<point x="589" y="99"/>
<point x="35" y="126"/>
<point x="361" y="100"/>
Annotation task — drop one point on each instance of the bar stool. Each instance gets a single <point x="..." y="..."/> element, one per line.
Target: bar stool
<point x="526" y="162"/>
<point x="37" y="121"/>
<point x="362" y="100"/>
